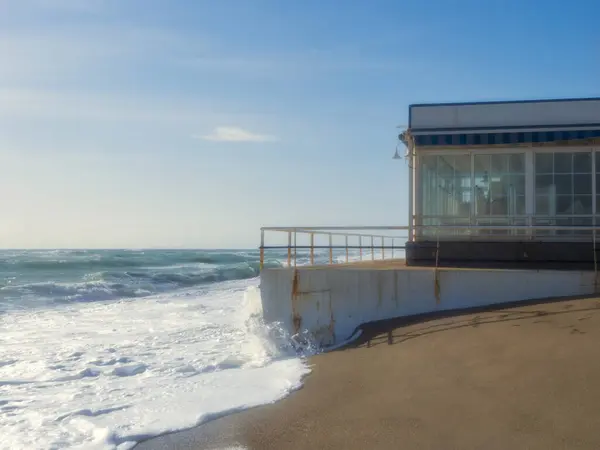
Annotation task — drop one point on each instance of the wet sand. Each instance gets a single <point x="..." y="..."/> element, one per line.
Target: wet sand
<point x="525" y="377"/>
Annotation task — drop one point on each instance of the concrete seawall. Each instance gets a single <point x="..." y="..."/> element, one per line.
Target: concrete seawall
<point x="331" y="301"/>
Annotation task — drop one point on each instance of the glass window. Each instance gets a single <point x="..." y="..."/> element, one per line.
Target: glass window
<point x="544" y="163"/>
<point x="564" y="184"/>
<point x="542" y="182"/>
<point x="563" y="188"/>
<point x="446" y="190"/>
<point x="563" y="163"/>
<point x="516" y="163"/>
<point x="542" y="205"/>
<point x="582" y="162"/>
<point x="445" y="185"/>
<point x="499" y="163"/>
<point x="582" y="183"/>
<point x="499" y="184"/>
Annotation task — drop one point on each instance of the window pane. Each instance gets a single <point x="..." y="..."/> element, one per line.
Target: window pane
<point x="445" y="168"/>
<point x="582" y="204"/>
<point x="499" y="164"/>
<point x="598" y="162"/>
<point x="482" y="164"/>
<point x="563" y="163"/>
<point x="445" y="183"/>
<point x="517" y="182"/>
<point x="542" y="205"/>
<point x="542" y="183"/>
<point x="520" y="205"/>
<point x="582" y="184"/>
<point x="564" y="205"/>
<point x="517" y="163"/>
<point x="564" y="184"/>
<point x="462" y="165"/>
<point x="544" y="162"/>
<point x="582" y="162"/>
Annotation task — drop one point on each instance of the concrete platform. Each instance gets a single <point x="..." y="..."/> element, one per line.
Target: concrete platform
<point x="330" y="302"/>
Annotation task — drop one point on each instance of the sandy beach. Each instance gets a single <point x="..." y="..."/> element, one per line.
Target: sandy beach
<point x="523" y="377"/>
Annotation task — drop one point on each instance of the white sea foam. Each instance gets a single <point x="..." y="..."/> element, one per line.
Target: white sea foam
<point x="108" y="374"/>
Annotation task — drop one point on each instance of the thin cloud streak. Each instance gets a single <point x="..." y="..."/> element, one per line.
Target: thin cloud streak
<point x="235" y="134"/>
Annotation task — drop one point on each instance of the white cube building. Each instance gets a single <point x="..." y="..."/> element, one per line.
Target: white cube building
<point x="512" y="182"/>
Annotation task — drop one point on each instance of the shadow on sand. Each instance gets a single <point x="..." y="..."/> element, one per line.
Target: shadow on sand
<point x="393" y="331"/>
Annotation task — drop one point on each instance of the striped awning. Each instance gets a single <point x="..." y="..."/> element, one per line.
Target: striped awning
<point x="501" y="138"/>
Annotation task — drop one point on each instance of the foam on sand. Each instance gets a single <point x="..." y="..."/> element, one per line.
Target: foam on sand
<point x="107" y="375"/>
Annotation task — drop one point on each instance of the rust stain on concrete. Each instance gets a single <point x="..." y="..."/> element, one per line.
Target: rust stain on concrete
<point x="296" y="318"/>
<point x="437" y="287"/>
<point x="331" y="320"/>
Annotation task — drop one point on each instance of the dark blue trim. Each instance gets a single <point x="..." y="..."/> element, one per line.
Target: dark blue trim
<point x="499" y="102"/>
<point x="507" y="127"/>
<point x="458" y="139"/>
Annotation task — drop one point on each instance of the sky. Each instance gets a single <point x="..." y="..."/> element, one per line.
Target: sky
<point x="192" y="123"/>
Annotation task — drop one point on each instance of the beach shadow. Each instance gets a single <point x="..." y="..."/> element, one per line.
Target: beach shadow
<point x="393" y="331"/>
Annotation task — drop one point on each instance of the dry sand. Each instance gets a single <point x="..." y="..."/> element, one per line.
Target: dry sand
<point x="526" y="377"/>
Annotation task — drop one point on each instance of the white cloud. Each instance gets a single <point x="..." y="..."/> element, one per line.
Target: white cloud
<point x="235" y="134"/>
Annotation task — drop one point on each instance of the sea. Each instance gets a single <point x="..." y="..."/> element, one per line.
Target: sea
<point x="101" y="349"/>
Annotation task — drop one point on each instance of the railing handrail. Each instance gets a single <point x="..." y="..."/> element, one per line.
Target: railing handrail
<point x="317" y="230"/>
<point x="334" y="228"/>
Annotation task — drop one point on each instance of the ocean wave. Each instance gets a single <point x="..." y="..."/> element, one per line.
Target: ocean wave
<point x="61" y="260"/>
<point x="112" y="285"/>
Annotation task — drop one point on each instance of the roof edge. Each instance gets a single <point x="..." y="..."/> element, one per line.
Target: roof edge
<point x="500" y="102"/>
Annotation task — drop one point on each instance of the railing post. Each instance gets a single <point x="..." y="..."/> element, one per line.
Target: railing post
<point x="295" y="247"/>
<point x="372" y="250"/>
<point x="289" y="258"/>
<point x="360" y="245"/>
<point x="262" y="249"/>
<point x="393" y="247"/>
<point x="312" y="248"/>
<point x="330" y="249"/>
<point x="347" y="258"/>
<point x="382" y="247"/>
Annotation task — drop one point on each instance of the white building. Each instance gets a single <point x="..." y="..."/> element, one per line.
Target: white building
<point x="485" y="177"/>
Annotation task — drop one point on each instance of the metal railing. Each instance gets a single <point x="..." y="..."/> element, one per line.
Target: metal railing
<point x="353" y="238"/>
<point x="357" y="238"/>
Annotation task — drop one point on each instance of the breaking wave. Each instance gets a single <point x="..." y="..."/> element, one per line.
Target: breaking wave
<point x="61" y="276"/>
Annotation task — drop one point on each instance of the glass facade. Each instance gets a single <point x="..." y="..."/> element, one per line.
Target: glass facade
<point x="508" y="188"/>
<point x="446" y="190"/>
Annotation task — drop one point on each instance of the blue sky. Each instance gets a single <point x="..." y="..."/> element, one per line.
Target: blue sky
<point x="148" y="123"/>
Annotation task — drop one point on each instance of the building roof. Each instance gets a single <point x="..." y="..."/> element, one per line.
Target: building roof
<point x="505" y="116"/>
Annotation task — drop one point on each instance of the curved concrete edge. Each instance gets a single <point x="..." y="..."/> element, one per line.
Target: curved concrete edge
<point x="331" y="303"/>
